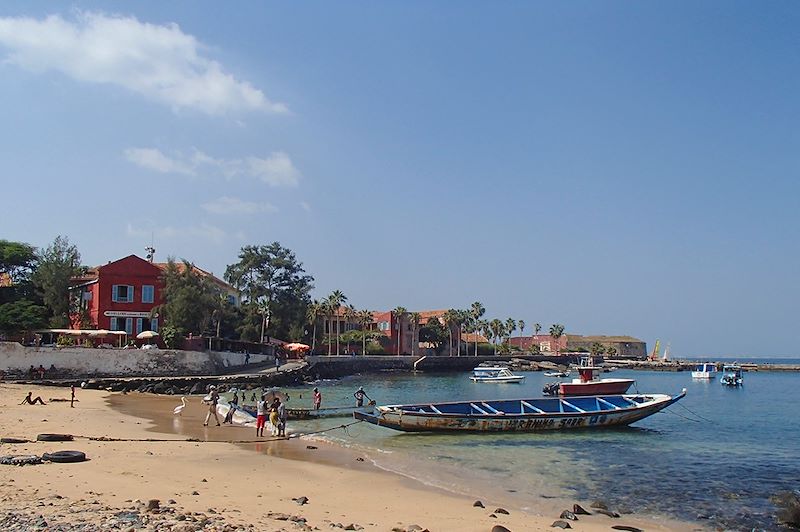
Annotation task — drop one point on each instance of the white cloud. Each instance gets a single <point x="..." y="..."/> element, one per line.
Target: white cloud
<point x="276" y="170"/>
<point x="159" y="62"/>
<point x="202" y="231"/>
<point x="229" y="205"/>
<point x="153" y="159"/>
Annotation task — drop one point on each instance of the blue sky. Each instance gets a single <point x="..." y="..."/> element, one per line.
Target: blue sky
<point x="618" y="167"/>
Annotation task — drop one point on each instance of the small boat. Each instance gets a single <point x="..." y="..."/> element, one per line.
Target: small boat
<point x="559" y="374"/>
<point x="731" y="375"/>
<point x="310" y="413"/>
<point x="588" y="382"/>
<point x="705" y="371"/>
<point x="520" y="415"/>
<point x="494" y="374"/>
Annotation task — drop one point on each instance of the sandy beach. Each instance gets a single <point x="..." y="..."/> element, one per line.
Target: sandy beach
<point x="213" y="484"/>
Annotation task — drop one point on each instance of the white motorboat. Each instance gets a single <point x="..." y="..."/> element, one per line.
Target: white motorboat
<point x="494" y="374"/>
<point x="556" y="374"/>
<point x="705" y="371"/>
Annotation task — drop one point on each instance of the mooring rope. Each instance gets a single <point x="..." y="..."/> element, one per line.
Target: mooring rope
<point x="198" y="440"/>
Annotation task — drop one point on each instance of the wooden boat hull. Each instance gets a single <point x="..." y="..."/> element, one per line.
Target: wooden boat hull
<point x="601" y="387"/>
<point x="309" y="413"/>
<point x="532" y="415"/>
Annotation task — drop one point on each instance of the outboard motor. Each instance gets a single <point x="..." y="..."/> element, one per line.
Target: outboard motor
<point x="551" y="388"/>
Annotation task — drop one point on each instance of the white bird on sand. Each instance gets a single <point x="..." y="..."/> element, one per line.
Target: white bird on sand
<point x="180" y="407"/>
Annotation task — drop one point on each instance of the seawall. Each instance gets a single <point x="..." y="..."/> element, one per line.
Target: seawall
<point x="78" y="362"/>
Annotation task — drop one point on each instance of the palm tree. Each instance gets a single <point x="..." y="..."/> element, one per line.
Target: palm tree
<point x="485" y="328"/>
<point x="464" y="317"/>
<point x="496" y="328"/>
<point x="364" y="319"/>
<point x="556" y="331"/>
<point x="327" y="312"/>
<point x="450" y="319"/>
<point x="537" y="327"/>
<point x="313" y="312"/>
<point x="415" y="317"/>
<point x="521" y="324"/>
<point x="477" y="311"/>
<point x="350" y="313"/>
<point x="336" y="300"/>
<point x="398" y="313"/>
<point x="511" y="326"/>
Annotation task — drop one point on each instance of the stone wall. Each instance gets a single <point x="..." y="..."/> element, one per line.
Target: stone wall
<point x="80" y="361"/>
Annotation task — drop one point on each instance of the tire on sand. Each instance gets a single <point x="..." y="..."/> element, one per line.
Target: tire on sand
<point x="65" y="457"/>
<point x="54" y="437"/>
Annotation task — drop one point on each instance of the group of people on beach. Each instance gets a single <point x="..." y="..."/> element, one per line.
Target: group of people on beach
<point x="277" y="416"/>
<point x="274" y="410"/>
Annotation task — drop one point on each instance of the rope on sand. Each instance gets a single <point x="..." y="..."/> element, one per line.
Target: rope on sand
<point x="198" y="440"/>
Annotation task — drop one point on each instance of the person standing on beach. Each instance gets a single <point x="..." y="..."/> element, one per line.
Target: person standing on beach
<point x="273" y="416"/>
<point x="232" y="405"/>
<point x="213" y="399"/>
<point x="281" y="418"/>
<point x="72" y="398"/>
<point x="317" y="399"/>
<point x="360" y="395"/>
<point x="261" y="413"/>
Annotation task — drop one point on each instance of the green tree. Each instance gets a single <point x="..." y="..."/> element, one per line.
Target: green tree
<point x="496" y="328"/>
<point x="521" y="324"/>
<point x="510" y="327"/>
<point x="314" y="310"/>
<point x="364" y="318"/>
<point x="556" y="332"/>
<point x="335" y="302"/>
<point x="611" y="351"/>
<point x="414" y="317"/>
<point x="22" y="316"/>
<point x="399" y="313"/>
<point x="190" y="299"/>
<point x="537" y="327"/>
<point x="17" y="260"/>
<point x="56" y="266"/>
<point x="596" y="349"/>
<point x="274" y="287"/>
<point x="450" y="321"/>
<point x="476" y="311"/>
<point x="433" y="333"/>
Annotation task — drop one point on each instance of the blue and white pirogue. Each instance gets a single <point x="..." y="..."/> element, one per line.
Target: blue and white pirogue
<point x="521" y="415"/>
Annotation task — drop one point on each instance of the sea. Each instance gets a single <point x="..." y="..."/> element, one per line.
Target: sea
<point x="715" y="458"/>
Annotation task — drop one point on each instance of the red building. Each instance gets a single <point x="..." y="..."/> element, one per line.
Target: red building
<point x="121" y="295"/>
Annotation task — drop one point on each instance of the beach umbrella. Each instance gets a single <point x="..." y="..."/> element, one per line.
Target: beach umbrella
<point x="296" y="346"/>
<point x="146" y="335"/>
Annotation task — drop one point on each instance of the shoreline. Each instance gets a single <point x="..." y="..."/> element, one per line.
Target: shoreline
<point x="226" y="483"/>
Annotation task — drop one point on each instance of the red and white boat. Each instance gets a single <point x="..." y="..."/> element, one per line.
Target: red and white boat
<point x="589" y="382"/>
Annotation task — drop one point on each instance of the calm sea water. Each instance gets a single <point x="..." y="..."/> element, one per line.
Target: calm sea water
<point x="715" y="457"/>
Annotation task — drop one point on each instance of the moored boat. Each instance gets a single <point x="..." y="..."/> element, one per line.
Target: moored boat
<point x="705" y="371"/>
<point x="559" y="374"/>
<point x="731" y="375"/>
<point x="310" y="413"/>
<point x="520" y="415"/>
<point x="495" y="374"/>
<point x="588" y="382"/>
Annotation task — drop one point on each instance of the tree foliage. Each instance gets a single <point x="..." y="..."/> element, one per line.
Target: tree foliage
<point x="190" y="299"/>
<point x="273" y="285"/>
<point x="22" y="316"/>
<point x="17" y="260"/>
<point x="56" y="266"/>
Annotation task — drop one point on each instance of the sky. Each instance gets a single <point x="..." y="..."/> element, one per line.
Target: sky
<point x="616" y="167"/>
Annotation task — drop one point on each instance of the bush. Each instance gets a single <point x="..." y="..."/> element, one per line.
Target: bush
<point x="172" y="336"/>
<point x="64" y="341"/>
